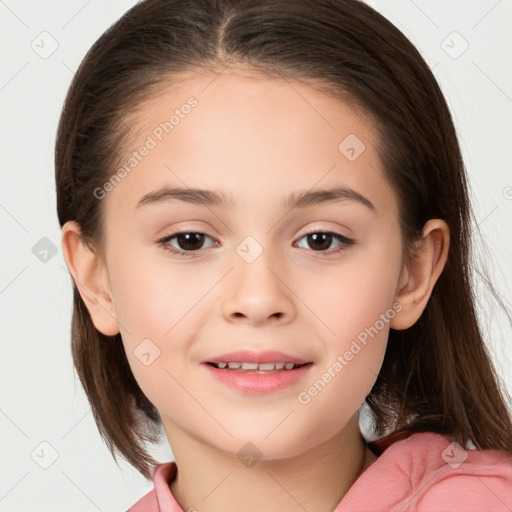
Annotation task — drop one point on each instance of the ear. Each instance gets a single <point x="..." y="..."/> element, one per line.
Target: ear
<point x="421" y="272"/>
<point x="91" y="278"/>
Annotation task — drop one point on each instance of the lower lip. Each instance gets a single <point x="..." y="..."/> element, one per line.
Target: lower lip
<point x="259" y="383"/>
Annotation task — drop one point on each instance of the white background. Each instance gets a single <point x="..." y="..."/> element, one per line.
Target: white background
<point x="41" y="401"/>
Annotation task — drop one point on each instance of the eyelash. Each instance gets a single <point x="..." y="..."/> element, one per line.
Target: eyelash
<point x="164" y="242"/>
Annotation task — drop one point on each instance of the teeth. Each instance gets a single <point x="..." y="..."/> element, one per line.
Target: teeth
<point x="256" y="366"/>
<point x="250" y="366"/>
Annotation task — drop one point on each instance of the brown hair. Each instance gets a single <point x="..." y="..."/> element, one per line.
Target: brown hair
<point x="437" y="375"/>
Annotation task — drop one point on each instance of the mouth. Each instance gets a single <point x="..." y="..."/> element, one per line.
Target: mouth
<point x="257" y="368"/>
<point x="251" y="378"/>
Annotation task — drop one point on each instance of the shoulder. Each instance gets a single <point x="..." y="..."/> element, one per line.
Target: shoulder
<point x="428" y="472"/>
<point x="468" y="480"/>
<point x="442" y="475"/>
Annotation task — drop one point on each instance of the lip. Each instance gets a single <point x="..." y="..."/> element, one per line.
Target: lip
<point x="258" y="383"/>
<point x="248" y="356"/>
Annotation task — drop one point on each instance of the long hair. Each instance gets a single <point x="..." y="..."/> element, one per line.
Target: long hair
<point x="437" y="375"/>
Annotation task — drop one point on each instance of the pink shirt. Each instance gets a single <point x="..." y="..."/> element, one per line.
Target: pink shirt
<point x="419" y="472"/>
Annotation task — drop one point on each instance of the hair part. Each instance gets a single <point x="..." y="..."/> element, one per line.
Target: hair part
<point x="437" y="375"/>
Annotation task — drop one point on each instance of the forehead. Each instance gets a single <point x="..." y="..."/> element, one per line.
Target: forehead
<point x="237" y="97"/>
<point x="253" y="136"/>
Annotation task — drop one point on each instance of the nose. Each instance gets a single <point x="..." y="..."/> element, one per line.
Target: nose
<point x="258" y="292"/>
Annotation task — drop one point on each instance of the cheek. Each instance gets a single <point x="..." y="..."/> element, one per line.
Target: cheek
<point x="151" y="294"/>
<point x="353" y="354"/>
<point x="354" y="296"/>
<point x="156" y="306"/>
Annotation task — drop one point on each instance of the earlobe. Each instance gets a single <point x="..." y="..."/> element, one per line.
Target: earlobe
<point x="91" y="279"/>
<point x="421" y="273"/>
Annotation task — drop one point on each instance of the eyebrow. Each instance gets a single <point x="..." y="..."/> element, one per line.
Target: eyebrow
<point x="218" y="198"/>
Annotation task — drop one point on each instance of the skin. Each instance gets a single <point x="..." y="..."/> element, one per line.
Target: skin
<point x="258" y="139"/>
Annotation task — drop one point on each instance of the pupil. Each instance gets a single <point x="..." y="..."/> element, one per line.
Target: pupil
<point x="189" y="240"/>
<point x="320" y="236"/>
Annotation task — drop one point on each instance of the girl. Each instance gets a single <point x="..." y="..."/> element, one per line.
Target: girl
<point x="265" y="213"/>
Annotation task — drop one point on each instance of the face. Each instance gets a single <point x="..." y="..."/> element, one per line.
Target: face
<point x="316" y="280"/>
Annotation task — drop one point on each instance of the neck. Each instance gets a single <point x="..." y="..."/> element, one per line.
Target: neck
<point x="209" y="480"/>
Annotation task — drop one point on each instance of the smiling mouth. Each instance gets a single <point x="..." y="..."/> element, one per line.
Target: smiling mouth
<point x="259" y="368"/>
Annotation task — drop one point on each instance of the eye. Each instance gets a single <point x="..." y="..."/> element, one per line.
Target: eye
<point x="322" y="240"/>
<point x="189" y="241"/>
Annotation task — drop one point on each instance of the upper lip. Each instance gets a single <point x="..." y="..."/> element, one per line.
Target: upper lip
<point x="247" y="356"/>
